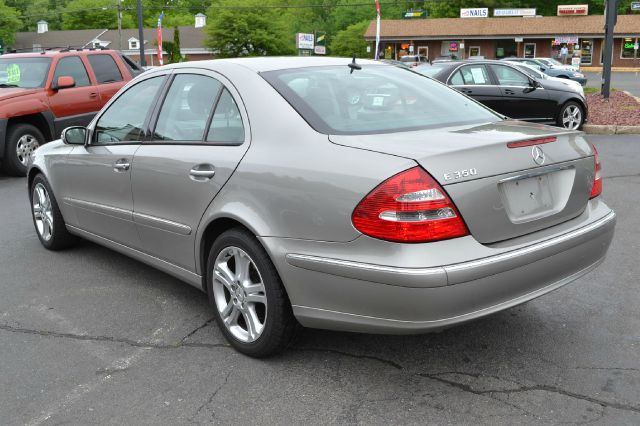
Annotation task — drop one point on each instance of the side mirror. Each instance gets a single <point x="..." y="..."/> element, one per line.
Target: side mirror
<point x="75" y="135"/>
<point x="64" y="82"/>
<point x="533" y="85"/>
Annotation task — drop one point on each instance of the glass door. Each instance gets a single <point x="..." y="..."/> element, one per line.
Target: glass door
<point x="586" y="52"/>
<point x="530" y="50"/>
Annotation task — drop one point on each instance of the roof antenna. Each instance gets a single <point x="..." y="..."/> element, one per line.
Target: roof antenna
<point x="353" y="65"/>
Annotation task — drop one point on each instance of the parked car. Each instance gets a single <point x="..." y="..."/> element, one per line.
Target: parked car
<point x="536" y="73"/>
<point x="42" y="93"/>
<point x="554" y="63"/>
<point x="513" y="93"/>
<point x="414" y="60"/>
<point x="560" y="71"/>
<point x="323" y="192"/>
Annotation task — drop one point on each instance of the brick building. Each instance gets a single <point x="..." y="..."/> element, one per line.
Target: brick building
<point x="192" y="40"/>
<point x="495" y="38"/>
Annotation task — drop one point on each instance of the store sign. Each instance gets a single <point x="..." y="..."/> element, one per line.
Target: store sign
<point x="320" y="50"/>
<point x="478" y="12"/>
<point x="514" y="12"/>
<point x="565" y="40"/>
<point x="635" y="5"/>
<point x="453" y="47"/>
<point x="414" y="14"/>
<point x="573" y="10"/>
<point x="320" y="43"/>
<point x="305" y="41"/>
<point x="518" y="39"/>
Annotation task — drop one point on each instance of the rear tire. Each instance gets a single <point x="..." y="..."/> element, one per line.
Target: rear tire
<point x="571" y="116"/>
<point x="22" y="140"/>
<point x="249" y="301"/>
<point x="47" y="218"/>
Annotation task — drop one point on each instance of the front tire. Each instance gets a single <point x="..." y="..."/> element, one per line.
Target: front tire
<point x="22" y="140"/>
<point x="249" y="301"/>
<point x="47" y="218"/>
<point x="571" y="116"/>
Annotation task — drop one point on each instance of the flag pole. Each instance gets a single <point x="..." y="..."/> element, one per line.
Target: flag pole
<point x="377" y="29"/>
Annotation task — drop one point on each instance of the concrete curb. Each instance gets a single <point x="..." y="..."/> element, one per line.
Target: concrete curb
<point x="597" y="129"/>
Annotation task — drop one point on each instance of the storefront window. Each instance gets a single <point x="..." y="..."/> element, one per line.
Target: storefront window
<point x="628" y="48"/>
<point x="451" y="48"/>
<point x="506" y="49"/>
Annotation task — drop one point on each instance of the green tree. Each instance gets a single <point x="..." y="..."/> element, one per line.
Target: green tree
<point x="10" y="23"/>
<point x="350" y="41"/>
<point x="173" y="48"/>
<point x="252" y="31"/>
<point x="92" y="14"/>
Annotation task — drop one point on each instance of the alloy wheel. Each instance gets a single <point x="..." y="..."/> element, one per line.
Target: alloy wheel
<point x="571" y="117"/>
<point x="239" y="294"/>
<point x="42" y="211"/>
<point x="25" y="147"/>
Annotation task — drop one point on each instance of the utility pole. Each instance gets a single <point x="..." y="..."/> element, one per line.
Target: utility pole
<point x="611" y="17"/>
<point x="143" y="61"/>
<point x="120" y="25"/>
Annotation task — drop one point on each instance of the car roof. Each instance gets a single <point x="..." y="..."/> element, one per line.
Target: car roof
<point x="50" y="53"/>
<point x="264" y="64"/>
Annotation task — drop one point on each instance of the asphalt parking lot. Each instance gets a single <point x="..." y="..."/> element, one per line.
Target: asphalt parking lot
<point x="629" y="81"/>
<point x="88" y="336"/>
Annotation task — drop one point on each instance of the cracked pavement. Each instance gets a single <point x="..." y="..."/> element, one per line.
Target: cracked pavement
<point x="88" y="336"/>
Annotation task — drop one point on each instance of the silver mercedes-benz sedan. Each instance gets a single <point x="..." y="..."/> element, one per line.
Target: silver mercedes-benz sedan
<point x="326" y="192"/>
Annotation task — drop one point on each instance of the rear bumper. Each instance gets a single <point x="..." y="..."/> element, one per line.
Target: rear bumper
<point x="345" y="294"/>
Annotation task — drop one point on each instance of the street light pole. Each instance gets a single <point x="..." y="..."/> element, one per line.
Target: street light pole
<point x="611" y="17"/>
<point x="143" y="61"/>
<point x="120" y="25"/>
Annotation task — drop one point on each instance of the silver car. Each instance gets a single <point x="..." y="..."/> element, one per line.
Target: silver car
<point x="326" y="193"/>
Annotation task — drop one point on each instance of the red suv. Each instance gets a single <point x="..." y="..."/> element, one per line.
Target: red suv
<point x="42" y="93"/>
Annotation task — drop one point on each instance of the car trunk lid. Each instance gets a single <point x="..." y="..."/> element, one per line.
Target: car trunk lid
<point x="501" y="192"/>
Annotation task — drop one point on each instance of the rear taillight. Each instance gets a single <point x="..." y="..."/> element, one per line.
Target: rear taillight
<point x="409" y="207"/>
<point x="596" y="189"/>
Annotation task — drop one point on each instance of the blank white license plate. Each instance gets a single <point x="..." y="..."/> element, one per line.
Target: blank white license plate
<point x="528" y="198"/>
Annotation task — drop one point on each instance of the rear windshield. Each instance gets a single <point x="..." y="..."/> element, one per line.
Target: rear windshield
<point x="374" y="99"/>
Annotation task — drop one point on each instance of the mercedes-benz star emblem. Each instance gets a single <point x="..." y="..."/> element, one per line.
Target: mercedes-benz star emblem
<point x="538" y="155"/>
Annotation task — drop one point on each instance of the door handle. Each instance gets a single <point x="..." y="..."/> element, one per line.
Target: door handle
<point x="122" y="165"/>
<point x="509" y="92"/>
<point x="202" y="172"/>
<point x="466" y="91"/>
<point x="93" y="95"/>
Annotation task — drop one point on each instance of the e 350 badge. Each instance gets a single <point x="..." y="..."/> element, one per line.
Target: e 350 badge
<point x="459" y="174"/>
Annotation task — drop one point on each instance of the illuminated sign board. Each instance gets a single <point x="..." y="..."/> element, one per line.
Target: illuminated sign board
<point x="414" y="14"/>
<point x="573" y="10"/>
<point x="478" y="12"/>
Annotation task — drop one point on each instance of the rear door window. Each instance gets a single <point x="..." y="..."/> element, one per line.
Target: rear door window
<point x="226" y="124"/>
<point x="475" y="75"/>
<point x="186" y="108"/>
<point x="72" y="66"/>
<point x="105" y="69"/>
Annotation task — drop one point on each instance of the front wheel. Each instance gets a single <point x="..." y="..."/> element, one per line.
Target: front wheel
<point x="22" y="141"/>
<point x="571" y="116"/>
<point x="47" y="218"/>
<point x="250" y="303"/>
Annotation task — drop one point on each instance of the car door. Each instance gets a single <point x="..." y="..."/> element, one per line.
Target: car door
<point x="72" y="106"/>
<point x="475" y="81"/>
<point x="100" y="171"/>
<point x="109" y="77"/>
<point x="200" y="135"/>
<point x="521" y="100"/>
